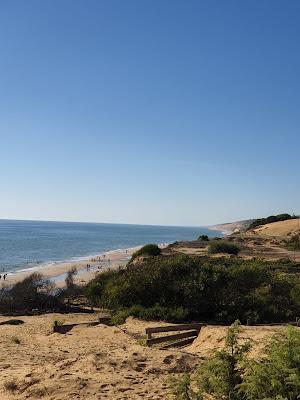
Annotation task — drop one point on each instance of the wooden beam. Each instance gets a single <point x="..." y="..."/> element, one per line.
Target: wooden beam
<point x="179" y="343"/>
<point x="162" y="339"/>
<point x="170" y="328"/>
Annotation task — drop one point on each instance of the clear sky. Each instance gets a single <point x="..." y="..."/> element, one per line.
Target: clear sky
<point x="155" y="112"/>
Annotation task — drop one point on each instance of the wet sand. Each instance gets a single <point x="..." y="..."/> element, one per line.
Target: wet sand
<point x="57" y="271"/>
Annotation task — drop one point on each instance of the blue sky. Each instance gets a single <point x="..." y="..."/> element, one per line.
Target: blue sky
<point x="155" y="112"/>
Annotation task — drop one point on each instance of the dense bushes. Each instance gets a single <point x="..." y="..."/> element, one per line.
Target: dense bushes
<point x="33" y="293"/>
<point x="147" y="250"/>
<point x="221" y="246"/>
<point x="230" y="375"/>
<point x="206" y="289"/>
<point x="156" y="312"/>
<point x="205" y="238"/>
<point x="269" y="220"/>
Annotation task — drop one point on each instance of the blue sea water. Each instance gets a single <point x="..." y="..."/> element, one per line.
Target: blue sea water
<point x="25" y="244"/>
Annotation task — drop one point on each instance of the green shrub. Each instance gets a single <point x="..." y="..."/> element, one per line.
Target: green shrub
<point x="154" y="313"/>
<point x="269" y="220"/>
<point x="221" y="375"/>
<point x="222" y="246"/>
<point x="207" y="289"/>
<point x="230" y="375"/>
<point x="33" y="292"/>
<point x="95" y="288"/>
<point x="204" y="238"/>
<point x="277" y="375"/>
<point x="147" y="250"/>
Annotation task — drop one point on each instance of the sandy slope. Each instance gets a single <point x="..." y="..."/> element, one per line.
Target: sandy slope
<point x="99" y="362"/>
<point x="213" y="338"/>
<point x="282" y="228"/>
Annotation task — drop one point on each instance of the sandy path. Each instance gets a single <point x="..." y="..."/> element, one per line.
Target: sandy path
<point x="88" y="363"/>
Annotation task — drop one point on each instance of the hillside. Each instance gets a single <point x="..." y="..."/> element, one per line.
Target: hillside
<point x="98" y="362"/>
<point x="279" y="229"/>
<point x="230" y="227"/>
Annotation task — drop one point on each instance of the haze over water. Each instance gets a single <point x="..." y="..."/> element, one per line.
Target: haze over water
<point x="24" y="244"/>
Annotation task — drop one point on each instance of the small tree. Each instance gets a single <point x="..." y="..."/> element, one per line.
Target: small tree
<point x="277" y="375"/>
<point x="221" y="375"/>
<point x="204" y="238"/>
<point x="71" y="287"/>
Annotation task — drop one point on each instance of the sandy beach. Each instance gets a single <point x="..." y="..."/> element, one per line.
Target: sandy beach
<point x="57" y="271"/>
<point x="100" y="362"/>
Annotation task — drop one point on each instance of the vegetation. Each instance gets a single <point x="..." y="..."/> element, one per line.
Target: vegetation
<point x="278" y="375"/>
<point x="230" y="375"/>
<point x="270" y="219"/>
<point x="156" y="312"/>
<point x="11" y="386"/>
<point x="202" y="289"/>
<point x="147" y="250"/>
<point x="32" y="293"/>
<point x="72" y="290"/>
<point x="293" y="243"/>
<point x="205" y="238"/>
<point x="16" y="340"/>
<point x="221" y="246"/>
<point x="221" y="375"/>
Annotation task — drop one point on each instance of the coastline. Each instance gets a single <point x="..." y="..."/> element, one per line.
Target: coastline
<point x="221" y="228"/>
<point x="56" y="271"/>
<point x="111" y="259"/>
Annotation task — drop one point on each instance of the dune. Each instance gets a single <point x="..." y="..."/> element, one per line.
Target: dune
<point x="89" y="362"/>
<point x="279" y="229"/>
<point x="99" y="362"/>
<point x="212" y="338"/>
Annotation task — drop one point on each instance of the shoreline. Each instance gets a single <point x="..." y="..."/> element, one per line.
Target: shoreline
<point x="56" y="271"/>
<point x="220" y="228"/>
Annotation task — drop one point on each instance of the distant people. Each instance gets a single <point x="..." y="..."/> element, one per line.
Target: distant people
<point x="0" y="277"/>
<point x="4" y="277"/>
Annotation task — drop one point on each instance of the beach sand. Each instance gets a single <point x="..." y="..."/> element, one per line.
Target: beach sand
<point x="57" y="271"/>
<point x="100" y="362"/>
<point x="87" y="363"/>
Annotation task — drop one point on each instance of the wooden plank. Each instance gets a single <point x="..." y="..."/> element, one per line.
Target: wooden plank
<point x="169" y="328"/>
<point x="179" y="343"/>
<point x="162" y="339"/>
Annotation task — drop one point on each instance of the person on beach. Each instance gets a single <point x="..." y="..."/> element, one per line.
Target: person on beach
<point x="4" y="277"/>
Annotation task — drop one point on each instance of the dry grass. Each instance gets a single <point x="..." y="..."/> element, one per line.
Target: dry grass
<point x="11" y="386"/>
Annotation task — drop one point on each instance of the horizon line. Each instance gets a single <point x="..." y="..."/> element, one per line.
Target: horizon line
<point x="107" y="223"/>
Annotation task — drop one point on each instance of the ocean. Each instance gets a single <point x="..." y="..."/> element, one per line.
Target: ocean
<point x="26" y="244"/>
